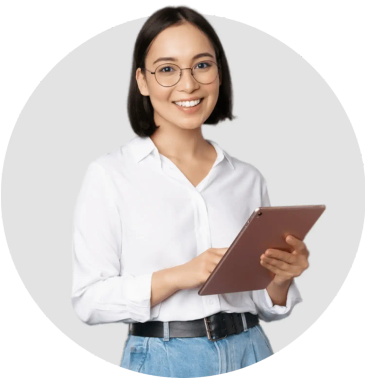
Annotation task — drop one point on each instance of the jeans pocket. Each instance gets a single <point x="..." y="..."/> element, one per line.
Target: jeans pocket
<point x="137" y="353"/>
<point x="263" y="334"/>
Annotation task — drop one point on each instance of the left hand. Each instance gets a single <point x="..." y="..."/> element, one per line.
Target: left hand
<point x="284" y="266"/>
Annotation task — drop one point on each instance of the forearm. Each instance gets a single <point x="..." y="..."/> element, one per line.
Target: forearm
<point x="163" y="285"/>
<point x="278" y="293"/>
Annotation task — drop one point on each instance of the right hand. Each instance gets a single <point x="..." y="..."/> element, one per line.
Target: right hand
<point x="195" y="272"/>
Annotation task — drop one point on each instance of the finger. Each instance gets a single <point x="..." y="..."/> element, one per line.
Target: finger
<point x="294" y="270"/>
<point x="281" y="255"/>
<point x="276" y="270"/>
<point x="298" y="244"/>
<point x="278" y="263"/>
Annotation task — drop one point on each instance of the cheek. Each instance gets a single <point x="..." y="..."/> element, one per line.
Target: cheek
<point x="213" y="93"/>
<point x="159" y="99"/>
<point x="211" y="103"/>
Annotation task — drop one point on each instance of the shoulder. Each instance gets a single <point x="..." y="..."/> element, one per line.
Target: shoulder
<point x="114" y="161"/>
<point x="246" y="169"/>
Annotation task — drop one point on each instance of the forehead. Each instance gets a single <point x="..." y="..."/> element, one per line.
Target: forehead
<point x="182" y="42"/>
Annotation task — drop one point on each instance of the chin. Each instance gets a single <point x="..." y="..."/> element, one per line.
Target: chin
<point x="189" y="126"/>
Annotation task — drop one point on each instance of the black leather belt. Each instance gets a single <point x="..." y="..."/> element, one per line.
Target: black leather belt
<point x="215" y="327"/>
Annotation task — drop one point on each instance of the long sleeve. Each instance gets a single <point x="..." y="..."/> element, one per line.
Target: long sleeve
<point x="265" y="200"/>
<point x="267" y="311"/>
<point x="99" y="293"/>
<point x="261" y="298"/>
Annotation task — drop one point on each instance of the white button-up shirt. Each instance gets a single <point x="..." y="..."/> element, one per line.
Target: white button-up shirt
<point x="137" y="213"/>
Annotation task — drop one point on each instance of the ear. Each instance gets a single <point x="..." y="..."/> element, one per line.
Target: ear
<point x="220" y="76"/>
<point x="141" y="82"/>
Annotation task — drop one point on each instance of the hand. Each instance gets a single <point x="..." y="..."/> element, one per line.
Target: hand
<point x="284" y="266"/>
<point x="195" y="272"/>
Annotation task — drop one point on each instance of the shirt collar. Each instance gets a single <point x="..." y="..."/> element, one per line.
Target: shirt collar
<point x="143" y="146"/>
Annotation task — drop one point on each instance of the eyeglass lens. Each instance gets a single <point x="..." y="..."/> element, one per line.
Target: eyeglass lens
<point x="169" y="74"/>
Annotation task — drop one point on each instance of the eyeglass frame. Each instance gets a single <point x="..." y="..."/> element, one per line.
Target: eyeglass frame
<point x="189" y="68"/>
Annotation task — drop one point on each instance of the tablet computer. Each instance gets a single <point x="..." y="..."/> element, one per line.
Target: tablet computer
<point x="239" y="269"/>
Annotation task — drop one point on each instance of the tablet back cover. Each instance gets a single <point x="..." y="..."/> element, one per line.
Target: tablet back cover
<point x="240" y="268"/>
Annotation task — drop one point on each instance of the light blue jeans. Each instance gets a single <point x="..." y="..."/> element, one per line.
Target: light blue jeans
<point x="187" y="357"/>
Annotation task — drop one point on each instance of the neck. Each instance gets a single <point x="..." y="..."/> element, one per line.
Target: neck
<point x="180" y="144"/>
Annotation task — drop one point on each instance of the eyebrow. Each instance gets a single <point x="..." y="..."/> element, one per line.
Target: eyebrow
<point x="175" y="60"/>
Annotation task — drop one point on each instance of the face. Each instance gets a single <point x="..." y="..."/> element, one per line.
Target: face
<point x="181" y="42"/>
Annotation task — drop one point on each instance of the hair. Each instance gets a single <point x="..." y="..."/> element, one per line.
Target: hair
<point x="140" y="109"/>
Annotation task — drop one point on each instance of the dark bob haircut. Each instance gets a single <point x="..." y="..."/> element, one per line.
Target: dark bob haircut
<point x="140" y="109"/>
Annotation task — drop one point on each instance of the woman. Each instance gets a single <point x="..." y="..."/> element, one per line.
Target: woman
<point x="155" y="216"/>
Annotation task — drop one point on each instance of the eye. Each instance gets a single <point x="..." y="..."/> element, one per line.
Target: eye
<point x="207" y="65"/>
<point x="166" y="69"/>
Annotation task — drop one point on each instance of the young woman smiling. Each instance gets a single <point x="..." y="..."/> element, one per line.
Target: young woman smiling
<point x="155" y="216"/>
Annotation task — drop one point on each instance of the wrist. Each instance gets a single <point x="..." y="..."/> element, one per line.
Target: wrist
<point x="278" y="291"/>
<point x="282" y="282"/>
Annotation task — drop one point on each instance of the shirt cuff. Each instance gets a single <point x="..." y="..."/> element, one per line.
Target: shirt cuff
<point x="269" y="312"/>
<point x="134" y="293"/>
<point x="139" y="297"/>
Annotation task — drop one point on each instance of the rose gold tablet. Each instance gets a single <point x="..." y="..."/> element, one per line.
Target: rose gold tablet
<point x="240" y="268"/>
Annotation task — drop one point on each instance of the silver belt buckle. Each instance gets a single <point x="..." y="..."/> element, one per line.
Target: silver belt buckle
<point x="206" y="321"/>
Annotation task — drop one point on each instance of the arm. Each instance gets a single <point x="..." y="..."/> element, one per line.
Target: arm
<point x="163" y="284"/>
<point x="99" y="293"/>
<point x="269" y="310"/>
<point x="278" y="293"/>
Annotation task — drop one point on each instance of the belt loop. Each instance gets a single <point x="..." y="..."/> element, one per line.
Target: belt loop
<point x="244" y="321"/>
<point x="166" y="331"/>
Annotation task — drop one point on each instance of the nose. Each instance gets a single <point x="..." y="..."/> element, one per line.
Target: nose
<point x="188" y="81"/>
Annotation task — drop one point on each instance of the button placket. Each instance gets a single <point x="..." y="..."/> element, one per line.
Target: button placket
<point x="211" y="302"/>
<point x="205" y="221"/>
<point x="202" y="228"/>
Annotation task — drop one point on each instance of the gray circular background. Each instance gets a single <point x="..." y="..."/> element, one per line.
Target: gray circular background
<point x="290" y="125"/>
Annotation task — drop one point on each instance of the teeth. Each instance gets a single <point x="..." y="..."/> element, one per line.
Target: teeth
<point x="188" y="104"/>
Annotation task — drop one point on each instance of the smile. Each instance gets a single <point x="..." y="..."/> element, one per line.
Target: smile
<point x="190" y="109"/>
<point x="190" y="103"/>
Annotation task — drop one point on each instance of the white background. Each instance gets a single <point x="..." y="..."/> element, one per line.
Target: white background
<point x="291" y="125"/>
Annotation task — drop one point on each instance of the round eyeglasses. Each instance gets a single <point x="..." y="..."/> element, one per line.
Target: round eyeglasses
<point x="168" y="74"/>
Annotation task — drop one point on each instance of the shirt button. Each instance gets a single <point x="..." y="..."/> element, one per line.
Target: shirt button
<point x="211" y="302"/>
